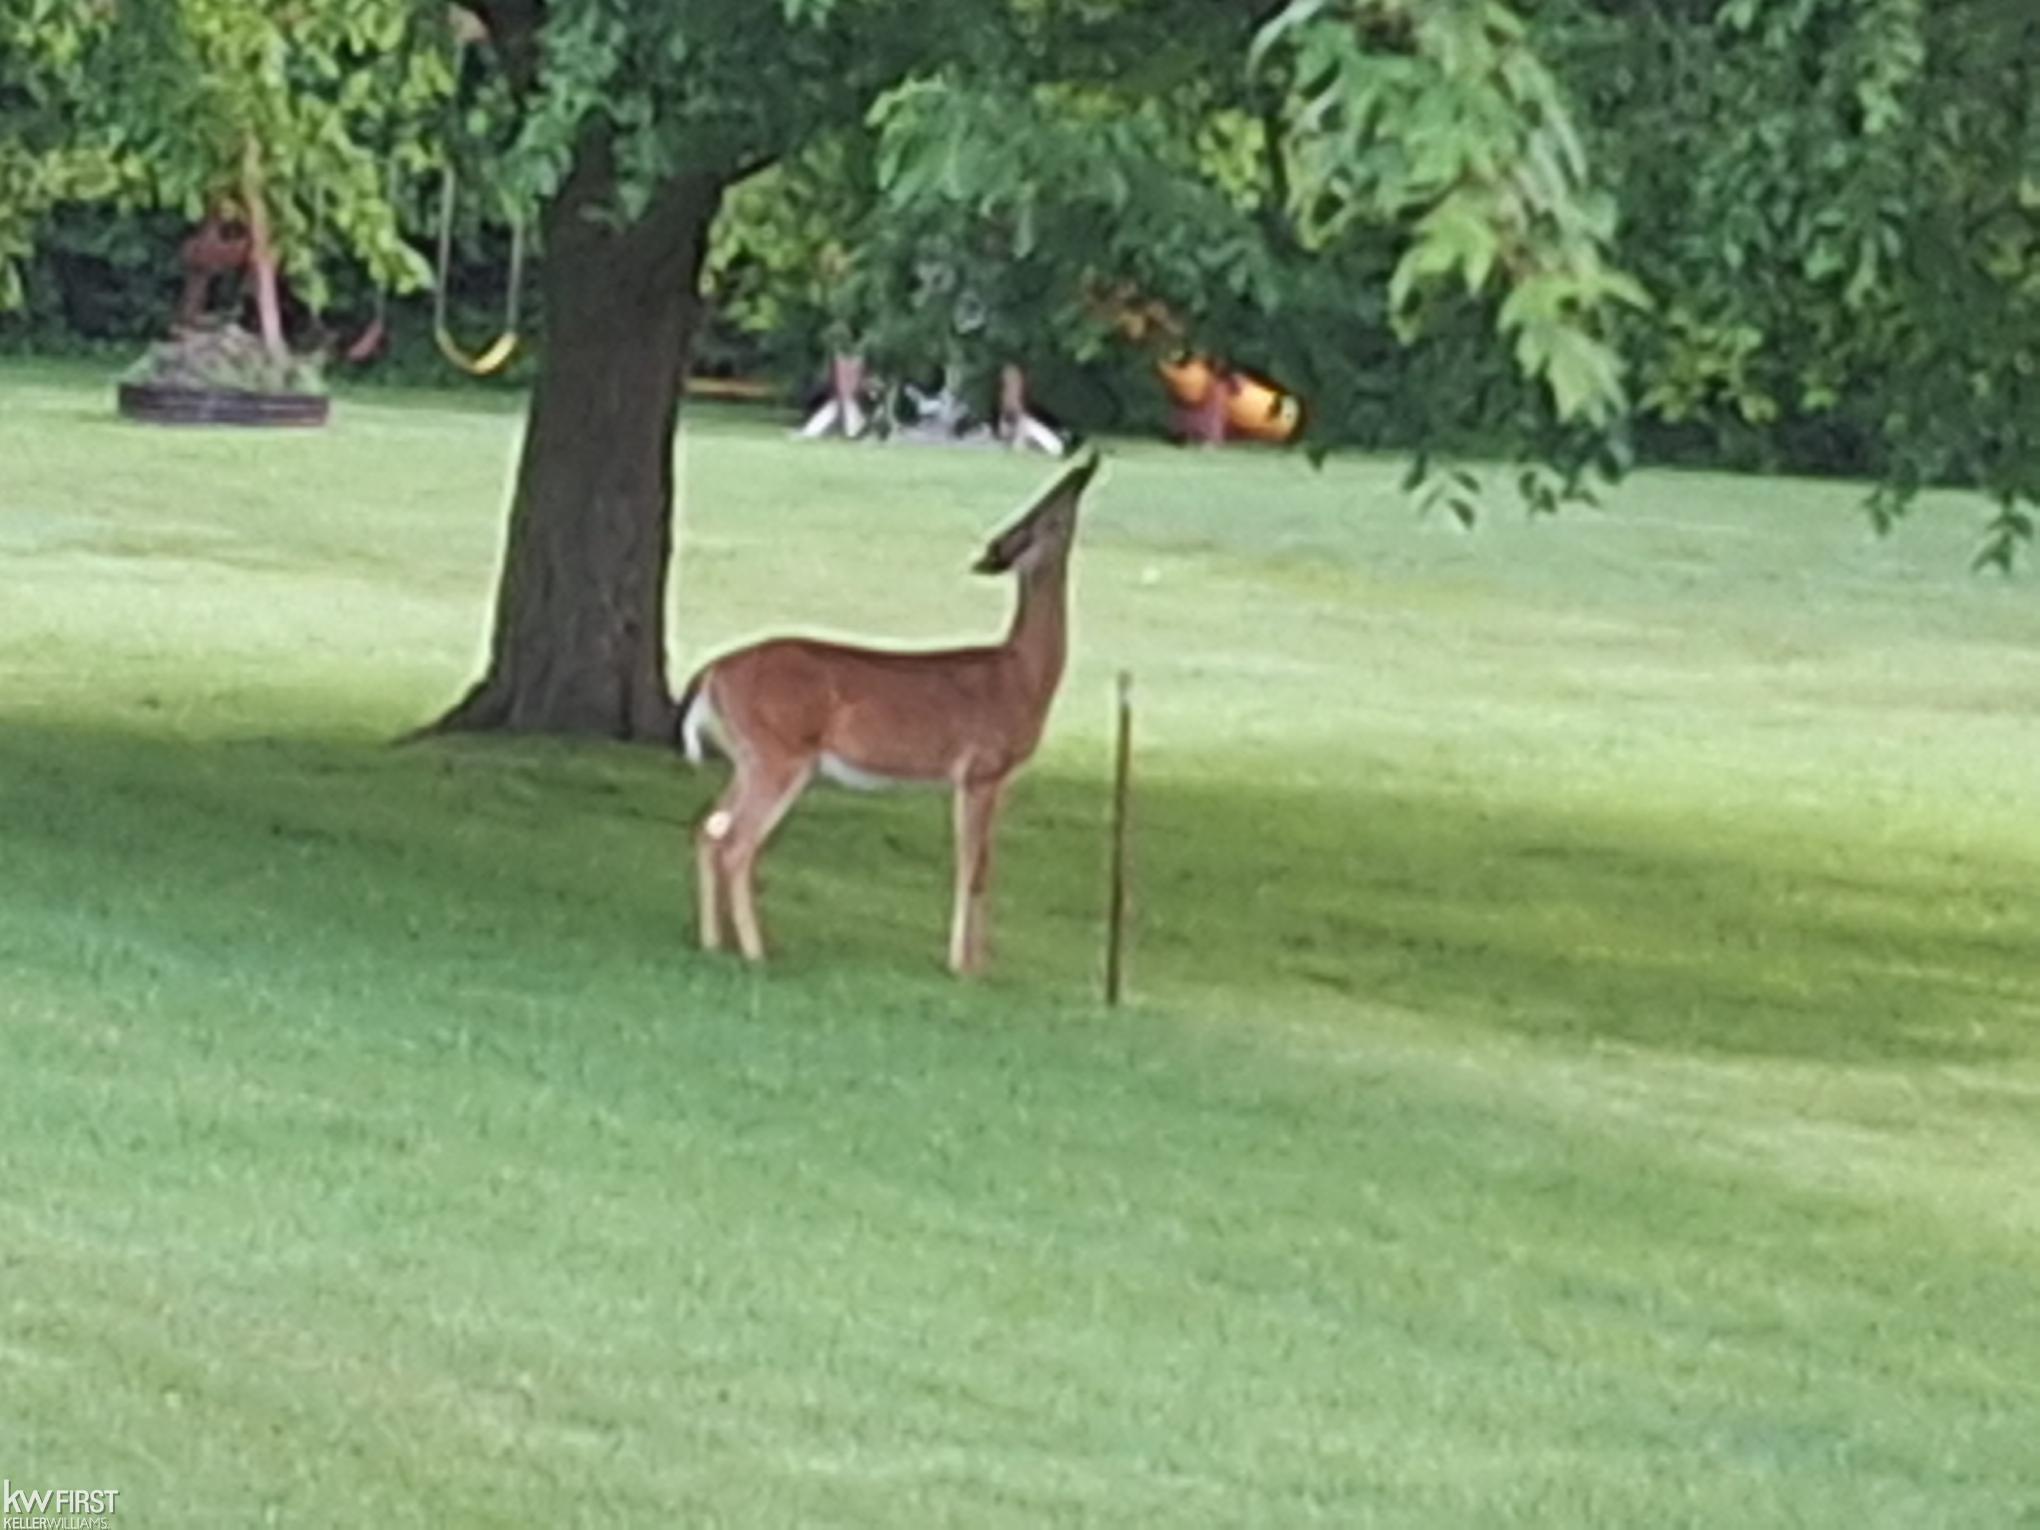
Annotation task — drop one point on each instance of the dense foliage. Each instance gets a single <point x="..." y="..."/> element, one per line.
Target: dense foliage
<point x="1059" y="124"/>
<point x="1803" y="233"/>
<point x="1835" y="209"/>
<point x="316" y="109"/>
<point x="1838" y="204"/>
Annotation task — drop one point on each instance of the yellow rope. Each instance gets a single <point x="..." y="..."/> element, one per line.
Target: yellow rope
<point x="497" y="353"/>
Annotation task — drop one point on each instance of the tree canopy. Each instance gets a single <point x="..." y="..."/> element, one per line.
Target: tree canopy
<point x="1789" y="231"/>
<point x="1838" y="203"/>
<point x="176" y="104"/>
<point x="1053" y="118"/>
<point x="1831" y="207"/>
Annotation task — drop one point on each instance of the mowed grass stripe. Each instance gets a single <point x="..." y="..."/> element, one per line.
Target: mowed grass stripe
<point x="1583" y="1072"/>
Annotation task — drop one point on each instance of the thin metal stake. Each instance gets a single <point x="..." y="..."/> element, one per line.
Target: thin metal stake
<point x="1122" y="786"/>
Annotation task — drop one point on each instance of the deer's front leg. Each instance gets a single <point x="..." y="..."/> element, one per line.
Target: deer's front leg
<point x="977" y="813"/>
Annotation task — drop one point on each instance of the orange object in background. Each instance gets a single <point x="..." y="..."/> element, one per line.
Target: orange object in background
<point x="1256" y="409"/>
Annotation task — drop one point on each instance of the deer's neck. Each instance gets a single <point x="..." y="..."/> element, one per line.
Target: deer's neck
<point x="1039" y="636"/>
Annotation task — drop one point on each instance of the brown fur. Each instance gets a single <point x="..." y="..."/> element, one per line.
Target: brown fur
<point x="967" y="718"/>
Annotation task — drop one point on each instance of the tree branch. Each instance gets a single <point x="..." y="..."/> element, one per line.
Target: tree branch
<point x="513" y="27"/>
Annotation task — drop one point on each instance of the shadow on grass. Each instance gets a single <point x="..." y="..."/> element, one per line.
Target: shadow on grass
<point x="1700" y="936"/>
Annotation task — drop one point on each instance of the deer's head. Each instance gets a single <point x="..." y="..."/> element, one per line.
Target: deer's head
<point x="1044" y="531"/>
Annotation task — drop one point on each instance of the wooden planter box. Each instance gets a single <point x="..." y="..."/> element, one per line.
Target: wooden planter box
<point x="162" y="404"/>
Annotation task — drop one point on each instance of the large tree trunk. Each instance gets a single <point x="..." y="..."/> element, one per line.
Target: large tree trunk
<point x="579" y="644"/>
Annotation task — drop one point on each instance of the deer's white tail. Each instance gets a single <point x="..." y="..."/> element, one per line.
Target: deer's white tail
<point x="696" y="717"/>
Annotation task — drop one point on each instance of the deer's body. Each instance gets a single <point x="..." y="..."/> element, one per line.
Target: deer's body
<point x="964" y="718"/>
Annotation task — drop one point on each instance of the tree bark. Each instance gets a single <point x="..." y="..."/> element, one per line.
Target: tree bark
<point x="579" y="641"/>
<point x="262" y="254"/>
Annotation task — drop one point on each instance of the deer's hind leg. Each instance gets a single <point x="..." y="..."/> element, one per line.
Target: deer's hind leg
<point x="737" y="830"/>
<point x="708" y="873"/>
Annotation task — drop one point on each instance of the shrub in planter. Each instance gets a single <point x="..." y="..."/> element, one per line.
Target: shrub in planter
<point x="223" y="376"/>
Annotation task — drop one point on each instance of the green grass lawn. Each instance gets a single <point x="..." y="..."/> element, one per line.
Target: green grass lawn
<point x="1585" y="1067"/>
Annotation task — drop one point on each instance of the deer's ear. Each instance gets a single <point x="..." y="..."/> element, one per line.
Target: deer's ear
<point x="1070" y="486"/>
<point x="1004" y="549"/>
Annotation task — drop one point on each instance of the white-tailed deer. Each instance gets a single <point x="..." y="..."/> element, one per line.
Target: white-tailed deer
<point x="965" y="718"/>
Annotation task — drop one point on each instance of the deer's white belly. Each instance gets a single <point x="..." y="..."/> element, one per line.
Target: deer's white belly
<point x="841" y="771"/>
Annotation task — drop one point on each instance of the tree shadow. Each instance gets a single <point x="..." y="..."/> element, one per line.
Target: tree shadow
<point x="1701" y="936"/>
<point x="1705" y="935"/>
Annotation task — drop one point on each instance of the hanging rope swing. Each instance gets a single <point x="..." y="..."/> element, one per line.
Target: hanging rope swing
<point x="468" y="30"/>
<point x="493" y="357"/>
